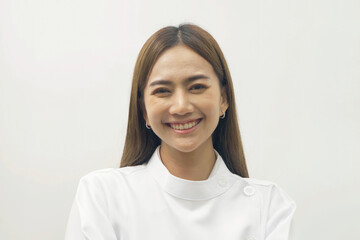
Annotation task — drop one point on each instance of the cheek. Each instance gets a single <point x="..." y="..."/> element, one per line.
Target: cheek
<point x="213" y="112"/>
<point x="154" y="109"/>
<point x="210" y="103"/>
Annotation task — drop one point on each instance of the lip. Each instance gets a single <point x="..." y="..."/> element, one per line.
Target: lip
<point x="185" y="131"/>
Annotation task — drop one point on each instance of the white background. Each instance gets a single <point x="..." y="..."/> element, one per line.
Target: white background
<point x="65" y="74"/>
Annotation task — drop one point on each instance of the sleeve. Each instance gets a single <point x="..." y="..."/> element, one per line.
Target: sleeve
<point x="88" y="218"/>
<point x="280" y="212"/>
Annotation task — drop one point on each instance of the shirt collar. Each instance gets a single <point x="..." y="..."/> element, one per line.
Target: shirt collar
<point x="219" y="181"/>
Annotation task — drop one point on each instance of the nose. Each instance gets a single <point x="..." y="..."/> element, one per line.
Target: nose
<point x="181" y="103"/>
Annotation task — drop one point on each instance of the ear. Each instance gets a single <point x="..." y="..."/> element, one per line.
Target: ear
<point x="143" y="109"/>
<point x="223" y="101"/>
<point x="146" y="118"/>
<point x="144" y="114"/>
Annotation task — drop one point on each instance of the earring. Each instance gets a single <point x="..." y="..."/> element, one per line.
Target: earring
<point x="147" y="126"/>
<point x="223" y="114"/>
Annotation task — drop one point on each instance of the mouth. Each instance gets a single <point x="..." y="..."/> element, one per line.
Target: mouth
<point x="184" y="126"/>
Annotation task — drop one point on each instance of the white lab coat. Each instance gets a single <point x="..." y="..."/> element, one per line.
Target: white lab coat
<point x="146" y="202"/>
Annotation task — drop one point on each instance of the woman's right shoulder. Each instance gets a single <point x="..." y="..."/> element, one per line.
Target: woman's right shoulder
<point x="111" y="174"/>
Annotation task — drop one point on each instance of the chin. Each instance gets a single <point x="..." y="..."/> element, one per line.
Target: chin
<point x="186" y="147"/>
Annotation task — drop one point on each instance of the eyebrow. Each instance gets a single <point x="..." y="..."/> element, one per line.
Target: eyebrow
<point x="190" y="79"/>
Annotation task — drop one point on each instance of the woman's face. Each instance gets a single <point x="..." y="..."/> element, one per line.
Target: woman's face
<point x="183" y="100"/>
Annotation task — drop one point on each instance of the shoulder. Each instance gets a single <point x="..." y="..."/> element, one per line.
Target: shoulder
<point x="269" y="192"/>
<point x="108" y="176"/>
<point x="277" y="207"/>
<point x="275" y="203"/>
<point x="261" y="185"/>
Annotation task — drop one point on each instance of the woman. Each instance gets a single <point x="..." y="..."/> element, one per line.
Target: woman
<point x="183" y="173"/>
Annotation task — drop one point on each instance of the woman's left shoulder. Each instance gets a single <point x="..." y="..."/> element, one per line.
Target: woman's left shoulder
<point x="268" y="191"/>
<point x="276" y="206"/>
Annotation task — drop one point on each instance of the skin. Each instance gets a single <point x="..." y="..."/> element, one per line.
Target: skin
<point x="183" y="87"/>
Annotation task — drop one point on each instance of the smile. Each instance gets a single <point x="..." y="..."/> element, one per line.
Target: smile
<point x="184" y="126"/>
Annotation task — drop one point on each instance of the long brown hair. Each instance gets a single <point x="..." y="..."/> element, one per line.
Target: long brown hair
<point x="140" y="143"/>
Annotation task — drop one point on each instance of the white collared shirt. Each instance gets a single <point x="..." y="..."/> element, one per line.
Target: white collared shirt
<point x="147" y="202"/>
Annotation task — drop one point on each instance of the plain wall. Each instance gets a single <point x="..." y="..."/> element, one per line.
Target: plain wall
<point x="65" y="75"/>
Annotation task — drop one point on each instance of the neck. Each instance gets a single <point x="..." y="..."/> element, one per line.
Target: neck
<point x="196" y="165"/>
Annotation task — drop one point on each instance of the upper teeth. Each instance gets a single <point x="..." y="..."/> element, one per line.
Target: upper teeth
<point x="184" y="126"/>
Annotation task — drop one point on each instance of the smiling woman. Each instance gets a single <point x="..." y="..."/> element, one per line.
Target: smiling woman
<point x="183" y="173"/>
<point x="203" y="66"/>
<point x="184" y="111"/>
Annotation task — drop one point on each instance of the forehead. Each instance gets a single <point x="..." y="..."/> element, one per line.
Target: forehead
<point x="180" y="61"/>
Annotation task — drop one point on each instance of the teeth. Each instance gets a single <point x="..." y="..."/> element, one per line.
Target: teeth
<point x="184" y="126"/>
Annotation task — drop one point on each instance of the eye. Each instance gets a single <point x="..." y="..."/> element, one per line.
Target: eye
<point x="198" y="88"/>
<point x="161" y="92"/>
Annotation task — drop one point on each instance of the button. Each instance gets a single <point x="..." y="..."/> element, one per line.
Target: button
<point x="222" y="182"/>
<point x="249" y="191"/>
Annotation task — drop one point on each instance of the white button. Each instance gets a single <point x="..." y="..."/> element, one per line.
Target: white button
<point x="249" y="190"/>
<point x="222" y="182"/>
